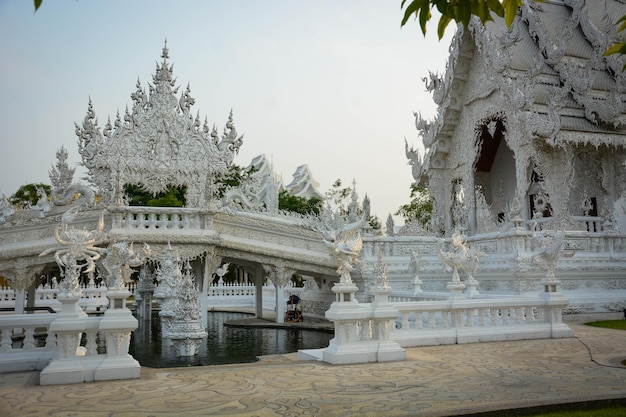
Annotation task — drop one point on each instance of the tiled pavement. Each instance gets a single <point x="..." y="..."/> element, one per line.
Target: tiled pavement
<point x="433" y="381"/>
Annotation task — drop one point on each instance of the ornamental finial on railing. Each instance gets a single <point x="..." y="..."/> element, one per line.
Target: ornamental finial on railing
<point x="380" y="269"/>
<point x="78" y="252"/>
<point x="346" y="244"/>
<point x="121" y="258"/>
<point x="550" y="246"/>
<point x="454" y="258"/>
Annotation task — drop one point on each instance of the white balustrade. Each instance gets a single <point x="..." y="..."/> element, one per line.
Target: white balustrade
<point x="374" y="332"/>
<point x="511" y="244"/>
<point x="426" y="323"/>
<point x="25" y="342"/>
<point x="94" y="298"/>
<point x="243" y="295"/>
<point x="158" y="218"/>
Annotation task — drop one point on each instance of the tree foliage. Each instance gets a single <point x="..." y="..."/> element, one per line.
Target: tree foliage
<point x="420" y="208"/>
<point x="235" y="176"/>
<point x="27" y="195"/>
<point x="619" y="48"/>
<point x="137" y="196"/>
<point x="339" y="198"/>
<point x="461" y="11"/>
<point x="300" y="205"/>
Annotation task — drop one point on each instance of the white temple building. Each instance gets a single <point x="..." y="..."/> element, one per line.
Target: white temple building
<point x="525" y="161"/>
<point x="529" y="135"/>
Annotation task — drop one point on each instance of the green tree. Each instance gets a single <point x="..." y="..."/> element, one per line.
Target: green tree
<point x="461" y="11"/>
<point x="235" y="176"/>
<point x="340" y="200"/>
<point x="420" y="208"/>
<point x="27" y="195"/>
<point x="173" y="197"/>
<point x="300" y="205"/>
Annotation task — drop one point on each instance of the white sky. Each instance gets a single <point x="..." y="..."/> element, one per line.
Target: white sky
<point x="328" y="83"/>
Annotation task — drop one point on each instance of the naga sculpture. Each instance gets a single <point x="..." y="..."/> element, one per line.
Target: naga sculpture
<point x="415" y="160"/>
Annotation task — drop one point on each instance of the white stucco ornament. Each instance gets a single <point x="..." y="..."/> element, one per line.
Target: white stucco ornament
<point x="346" y="244"/>
<point x="78" y="252"/>
<point x="157" y="144"/>
<point x="121" y="258"/>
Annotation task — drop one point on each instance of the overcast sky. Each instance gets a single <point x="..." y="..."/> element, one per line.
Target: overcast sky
<point x="328" y="83"/>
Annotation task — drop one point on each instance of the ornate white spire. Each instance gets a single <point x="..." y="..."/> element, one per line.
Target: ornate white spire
<point x="158" y="144"/>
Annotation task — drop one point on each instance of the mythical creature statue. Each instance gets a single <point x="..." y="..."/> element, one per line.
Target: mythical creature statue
<point x="221" y="271"/>
<point x="6" y="209"/>
<point x="551" y="246"/>
<point x="121" y="258"/>
<point x="433" y="81"/>
<point x="346" y="244"/>
<point x="76" y="245"/>
<point x="456" y="257"/>
<point x="415" y="267"/>
<point x="43" y="206"/>
<point x="415" y="160"/>
<point x="64" y="192"/>
<point x="416" y="262"/>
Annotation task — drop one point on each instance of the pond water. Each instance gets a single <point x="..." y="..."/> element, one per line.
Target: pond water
<point x="223" y="344"/>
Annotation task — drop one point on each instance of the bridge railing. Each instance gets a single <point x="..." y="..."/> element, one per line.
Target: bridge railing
<point x="159" y="218"/>
<point x="94" y="297"/>
<point x="243" y="295"/>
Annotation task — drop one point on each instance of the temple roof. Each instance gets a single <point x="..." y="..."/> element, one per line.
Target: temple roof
<point x="548" y="67"/>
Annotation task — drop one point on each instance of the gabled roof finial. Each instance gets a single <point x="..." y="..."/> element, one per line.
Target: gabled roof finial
<point x="165" y="54"/>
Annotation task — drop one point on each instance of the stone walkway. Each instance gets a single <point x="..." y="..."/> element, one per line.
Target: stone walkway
<point x="433" y="381"/>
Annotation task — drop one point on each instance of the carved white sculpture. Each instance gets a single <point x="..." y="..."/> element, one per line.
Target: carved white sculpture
<point x="346" y="244"/>
<point x="64" y="191"/>
<point x="121" y="258"/>
<point x="78" y="252"/>
<point x="186" y="330"/>
<point x="416" y="265"/>
<point x="6" y="209"/>
<point x="380" y="271"/>
<point x="157" y="144"/>
<point x="454" y="258"/>
<point x="168" y="277"/>
<point x="220" y="272"/>
<point x="550" y="246"/>
<point x="42" y="205"/>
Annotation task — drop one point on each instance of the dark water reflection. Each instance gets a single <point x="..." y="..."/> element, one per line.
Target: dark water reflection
<point x="223" y="344"/>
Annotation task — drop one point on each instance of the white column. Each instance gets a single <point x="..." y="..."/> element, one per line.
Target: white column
<point x="259" y="279"/>
<point x="204" y="294"/>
